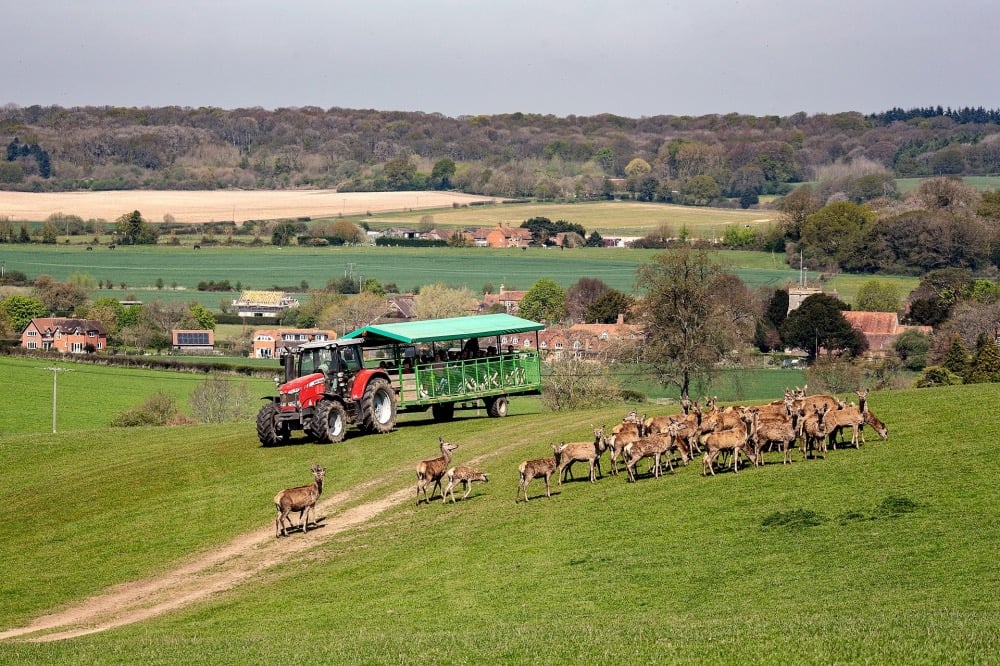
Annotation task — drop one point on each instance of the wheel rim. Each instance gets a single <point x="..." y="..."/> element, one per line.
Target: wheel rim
<point x="382" y="407"/>
<point x="336" y="423"/>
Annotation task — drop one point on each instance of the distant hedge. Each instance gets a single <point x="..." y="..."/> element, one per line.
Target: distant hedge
<point x="410" y="242"/>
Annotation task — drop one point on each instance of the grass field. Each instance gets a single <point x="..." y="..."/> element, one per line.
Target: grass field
<point x="139" y="268"/>
<point x="885" y="554"/>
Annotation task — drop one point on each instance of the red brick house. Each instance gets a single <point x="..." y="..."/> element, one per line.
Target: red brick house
<point x="503" y="235"/>
<point x="273" y="343"/>
<point x="510" y="299"/>
<point x="588" y="341"/>
<point x="69" y="336"/>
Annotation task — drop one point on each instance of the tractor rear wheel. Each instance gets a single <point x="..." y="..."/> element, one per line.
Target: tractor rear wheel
<point x="497" y="406"/>
<point x="329" y="422"/>
<point x="378" y="407"/>
<point x="269" y="431"/>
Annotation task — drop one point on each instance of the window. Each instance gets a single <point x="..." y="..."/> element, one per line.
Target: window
<point x="91" y="334"/>
<point x="604" y="335"/>
<point x="32" y="333"/>
<point x="77" y="347"/>
<point x="32" y="344"/>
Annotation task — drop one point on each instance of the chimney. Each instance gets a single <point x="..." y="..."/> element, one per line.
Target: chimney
<point x="621" y="319"/>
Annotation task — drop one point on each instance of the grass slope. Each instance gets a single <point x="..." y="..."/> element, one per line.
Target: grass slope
<point x="880" y="555"/>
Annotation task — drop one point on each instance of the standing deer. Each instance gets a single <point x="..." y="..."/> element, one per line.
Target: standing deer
<point x="464" y="475"/>
<point x="542" y="468"/>
<point x="301" y="499"/>
<point x="433" y="470"/>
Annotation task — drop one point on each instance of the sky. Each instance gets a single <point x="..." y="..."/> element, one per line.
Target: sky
<point x="633" y="58"/>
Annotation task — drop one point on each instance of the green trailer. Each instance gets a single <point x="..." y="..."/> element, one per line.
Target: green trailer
<point x="457" y="362"/>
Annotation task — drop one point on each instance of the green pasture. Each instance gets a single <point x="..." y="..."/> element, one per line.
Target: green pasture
<point x="87" y="395"/>
<point x="886" y="554"/>
<point x="139" y="268"/>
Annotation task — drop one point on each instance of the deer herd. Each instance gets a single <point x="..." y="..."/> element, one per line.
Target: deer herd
<point x="719" y="434"/>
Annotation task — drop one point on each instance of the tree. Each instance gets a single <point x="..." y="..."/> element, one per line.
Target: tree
<point x="701" y="190"/>
<point x="877" y="296"/>
<point x="912" y="348"/>
<point x="59" y="296"/>
<point x="544" y="301"/>
<point x="819" y="323"/>
<point x="201" y="316"/>
<point x="284" y="232"/>
<point x="607" y="308"/>
<point x="134" y="230"/>
<point x="19" y="310"/>
<point x="436" y="301"/>
<point x="581" y="294"/>
<point x="688" y="330"/>
<point x="442" y="173"/>
<point x="985" y="363"/>
<point x="220" y="400"/>
<point x="399" y="173"/>
<point x="832" y="233"/>
<point x="795" y="208"/>
<point x="956" y="359"/>
<point x="595" y="240"/>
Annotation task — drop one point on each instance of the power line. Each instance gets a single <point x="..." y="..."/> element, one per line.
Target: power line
<point x="55" y="375"/>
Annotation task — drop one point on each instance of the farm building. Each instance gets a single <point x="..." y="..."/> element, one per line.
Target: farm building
<point x="70" y="336"/>
<point x="263" y="303"/>
<point x="880" y="330"/>
<point x="275" y="343"/>
<point x="193" y="340"/>
<point x="510" y="299"/>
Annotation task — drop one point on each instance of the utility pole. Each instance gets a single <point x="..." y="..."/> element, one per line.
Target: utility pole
<point x="55" y="386"/>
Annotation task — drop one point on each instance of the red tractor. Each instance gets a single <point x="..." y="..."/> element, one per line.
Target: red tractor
<point x="326" y="387"/>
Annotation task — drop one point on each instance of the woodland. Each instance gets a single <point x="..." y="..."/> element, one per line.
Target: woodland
<point x="730" y="159"/>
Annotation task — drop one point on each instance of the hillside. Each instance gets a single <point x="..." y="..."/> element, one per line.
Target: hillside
<point x="877" y="555"/>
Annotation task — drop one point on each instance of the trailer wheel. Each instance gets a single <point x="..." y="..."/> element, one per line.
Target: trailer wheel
<point x="329" y="422"/>
<point x="443" y="411"/>
<point x="378" y="407"/>
<point x="497" y="407"/>
<point x="269" y="431"/>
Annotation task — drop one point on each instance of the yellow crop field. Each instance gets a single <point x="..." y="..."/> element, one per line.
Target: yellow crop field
<point x="221" y="205"/>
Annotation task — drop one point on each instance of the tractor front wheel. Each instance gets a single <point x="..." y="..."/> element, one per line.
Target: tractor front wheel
<point x="329" y="422"/>
<point x="269" y="431"/>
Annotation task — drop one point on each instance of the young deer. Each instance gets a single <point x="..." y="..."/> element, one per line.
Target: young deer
<point x="301" y="499"/>
<point x="464" y="475"/>
<point x="431" y="471"/>
<point x="538" y="468"/>
<point x="588" y="452"/>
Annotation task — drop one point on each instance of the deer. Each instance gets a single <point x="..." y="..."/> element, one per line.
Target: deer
<point x="621" y="435"/>
<point x="301" y="499"/>
<point x="733" y="439"/>
<point x="655" y="446"/>
<point x="769" y="429"/>
<point x="814" y="430"/>
<point x="464" y="475"/>
<point x="589" y="452"/>
<point x="432" y="471"/>
<point x="535" y="469"/>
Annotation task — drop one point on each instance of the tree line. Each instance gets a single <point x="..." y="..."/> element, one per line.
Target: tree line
<point x="706" y="160"/>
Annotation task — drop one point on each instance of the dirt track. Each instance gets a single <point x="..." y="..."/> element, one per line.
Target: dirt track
<point x="195" y="580"/>
<point x="220" y="205"/>
<point x="226" y="567"/>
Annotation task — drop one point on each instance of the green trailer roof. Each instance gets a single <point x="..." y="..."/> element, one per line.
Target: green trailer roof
<point x="453" y="328"/>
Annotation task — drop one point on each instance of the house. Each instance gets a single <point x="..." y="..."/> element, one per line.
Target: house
<point x="202" y="340"/>
<point x="588" y="341"/>
<point x="275" y="343"/>
<point x="880" y="330"/>
<point x="263" y="303"/>
<point x="69" y="336"/>
<point x="503" y="235"/>
<point x="401" y="306"/>
<point x="510" y="299"/>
